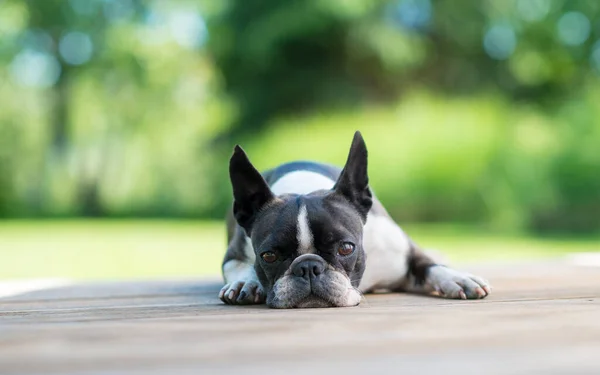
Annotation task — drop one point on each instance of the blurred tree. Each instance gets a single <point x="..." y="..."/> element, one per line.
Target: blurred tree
<point x="288" y="57"/>
<point x="74" y="32"/>
<point x="280" y="58"/>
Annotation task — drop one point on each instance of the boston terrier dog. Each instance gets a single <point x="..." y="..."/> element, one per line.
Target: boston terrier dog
<point x="307" y="234"/>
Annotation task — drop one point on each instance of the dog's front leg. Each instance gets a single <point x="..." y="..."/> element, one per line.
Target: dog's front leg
<point x="426" y="276"/>
<point x="242" y="286"/>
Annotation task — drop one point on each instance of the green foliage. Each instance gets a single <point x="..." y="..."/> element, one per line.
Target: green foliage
<point x="280" y="58"/>
<point x="475" y="111"/>
<point x="111" y="135"/>
<point x="573" y="173"/>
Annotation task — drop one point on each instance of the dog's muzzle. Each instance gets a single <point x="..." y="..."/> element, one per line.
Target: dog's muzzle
<point x="312" y="282"/>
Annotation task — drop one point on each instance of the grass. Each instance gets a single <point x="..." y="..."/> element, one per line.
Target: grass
<point x="98" y="249"/>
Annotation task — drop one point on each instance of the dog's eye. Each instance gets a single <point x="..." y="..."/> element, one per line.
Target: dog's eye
<point x="269" y="256"/>
<point x="346" y="248"/>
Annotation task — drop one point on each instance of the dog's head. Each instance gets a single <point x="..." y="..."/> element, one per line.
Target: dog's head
<point x="308" y="247"/>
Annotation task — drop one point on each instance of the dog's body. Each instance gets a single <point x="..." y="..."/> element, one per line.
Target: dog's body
<point x="307" y="234"/>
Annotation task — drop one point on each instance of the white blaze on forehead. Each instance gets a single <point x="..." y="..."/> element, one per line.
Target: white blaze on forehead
<point x="304" y="235"/>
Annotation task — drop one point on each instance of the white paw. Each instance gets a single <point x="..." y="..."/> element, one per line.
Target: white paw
<point x="450" y="283"/>
<point x="243" y="292"/>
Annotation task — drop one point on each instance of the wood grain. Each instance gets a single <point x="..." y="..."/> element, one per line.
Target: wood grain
<point x="541" y="319"/>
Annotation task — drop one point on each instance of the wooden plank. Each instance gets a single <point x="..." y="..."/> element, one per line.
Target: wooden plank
<point x="541" y="319"/>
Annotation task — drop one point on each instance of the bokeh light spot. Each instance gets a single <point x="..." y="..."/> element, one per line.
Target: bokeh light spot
<point x="115" y="10"/>
<point x="533" y="10"/>
<point x="38" y="40"/>
<point x="35" y="69"/>
<point x="530" y="67"/>
<point x="13" y="18"/>
<point x="573" y="28"/>
<point x="155" y="30"/>
<point x="76" y="48"/>
<point x="188" y="28"/>
<point x="411" y="14"/>
<point x="500" y="41"/>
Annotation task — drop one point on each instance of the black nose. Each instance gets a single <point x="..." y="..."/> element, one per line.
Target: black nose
<point x="308" y="269"/>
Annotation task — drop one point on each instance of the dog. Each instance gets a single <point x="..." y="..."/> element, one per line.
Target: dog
<point x="307" y="234"/>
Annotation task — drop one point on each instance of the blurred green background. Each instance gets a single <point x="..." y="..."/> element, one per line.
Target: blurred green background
<point x="117" y="119"/>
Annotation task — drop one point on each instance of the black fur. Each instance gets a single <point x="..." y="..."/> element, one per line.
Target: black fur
<point x="250" y="190"/>
<point x="353" y="183"/>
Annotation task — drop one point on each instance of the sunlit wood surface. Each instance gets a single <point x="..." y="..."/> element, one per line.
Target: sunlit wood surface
<point x="543" y="318"/>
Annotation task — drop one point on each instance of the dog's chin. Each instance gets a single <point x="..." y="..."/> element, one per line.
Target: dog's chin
<point x="335" y="291"/>
<point x="313" y="302"/>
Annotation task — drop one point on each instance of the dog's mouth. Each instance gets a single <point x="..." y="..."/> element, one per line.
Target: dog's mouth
<point x="333" y="290"/>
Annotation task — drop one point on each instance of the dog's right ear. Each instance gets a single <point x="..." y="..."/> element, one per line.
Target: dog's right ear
<point x="250" y="190"/>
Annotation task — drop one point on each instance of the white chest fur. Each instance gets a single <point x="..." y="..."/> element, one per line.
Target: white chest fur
<point x="387" y="249"/>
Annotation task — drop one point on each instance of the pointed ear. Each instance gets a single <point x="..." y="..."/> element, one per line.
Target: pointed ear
<point x="250" y="190"/>
<point x="353" y="183"/>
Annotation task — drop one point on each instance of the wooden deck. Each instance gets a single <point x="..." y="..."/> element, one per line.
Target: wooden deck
<point x="540" y="319"/>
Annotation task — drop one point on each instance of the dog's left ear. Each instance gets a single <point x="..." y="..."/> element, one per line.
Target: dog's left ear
<point x="353" y="183"/>
<point x="250" y="190"/>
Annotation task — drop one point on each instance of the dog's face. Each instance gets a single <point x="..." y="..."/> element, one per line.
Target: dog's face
<point x="308" y="247"/>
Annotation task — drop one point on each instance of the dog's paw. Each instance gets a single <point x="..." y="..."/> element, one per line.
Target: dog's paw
<point x="243" y="292"/>
<point x="450" y="283"/>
